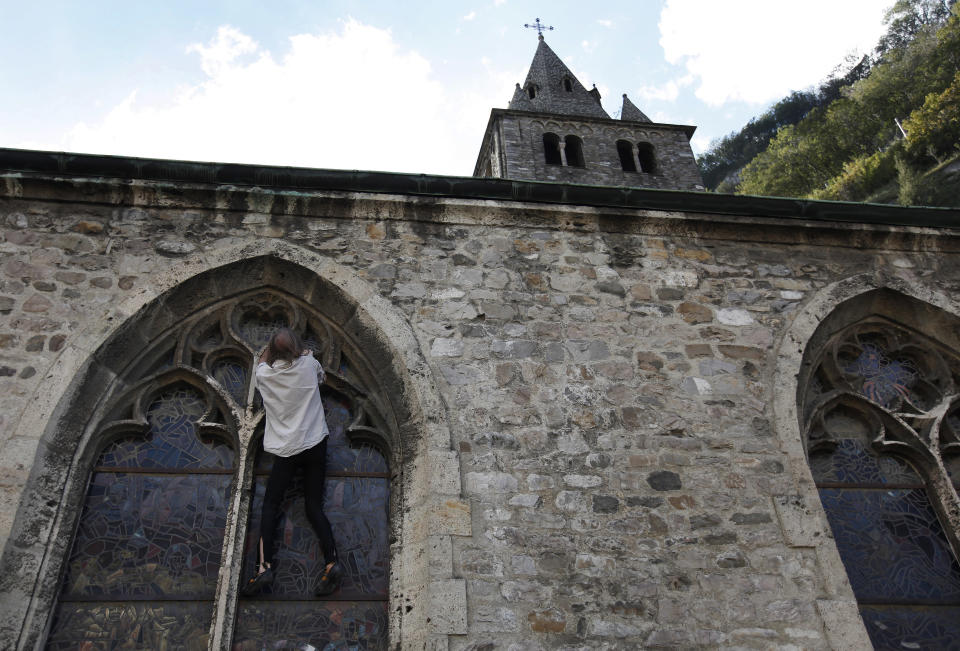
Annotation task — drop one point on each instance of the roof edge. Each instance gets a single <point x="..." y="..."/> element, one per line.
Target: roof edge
<point x="65" y="164"/>
<point x="689" y="129"/>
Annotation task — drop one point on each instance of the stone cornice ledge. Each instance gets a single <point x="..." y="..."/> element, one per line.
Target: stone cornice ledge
<point x="307" y="193"/>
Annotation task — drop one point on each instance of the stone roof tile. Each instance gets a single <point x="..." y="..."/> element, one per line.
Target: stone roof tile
<point x="631" y="113"/>
<point x="556" y="89"/>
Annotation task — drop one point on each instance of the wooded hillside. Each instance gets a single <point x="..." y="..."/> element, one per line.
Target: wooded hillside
<point x="885" y="130"/>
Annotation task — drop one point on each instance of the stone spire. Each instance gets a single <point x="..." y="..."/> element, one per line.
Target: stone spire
<point x="631" y="113"/>
<point x="550" y="87"/>
<point x="520" y="102"/>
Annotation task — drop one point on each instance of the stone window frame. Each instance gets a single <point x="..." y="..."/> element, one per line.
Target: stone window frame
<point x="193" y="363"/>
<point x="898" y="296"/>
<point x="427" y="602"/>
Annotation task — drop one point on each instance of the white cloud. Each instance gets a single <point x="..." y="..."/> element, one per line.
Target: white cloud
<point x="223" y="50"/>
<point x="349" y="99"/>
<point x="605" y="23"/>
<point x="497" y="3"/>
<point x="587" y="46"/>
<point x="665" y="92"/>
<point x="758" y="50"/>
<point x="470" y="16"/>
<point x="699" y="144"/>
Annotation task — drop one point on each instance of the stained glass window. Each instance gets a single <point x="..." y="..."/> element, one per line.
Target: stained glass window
<point x="867" y="404"/>
<point x="356" y="501"/>
<point x="145" y="566"/>
<point x="232" y="376"/>
<point x="146" y="556"/>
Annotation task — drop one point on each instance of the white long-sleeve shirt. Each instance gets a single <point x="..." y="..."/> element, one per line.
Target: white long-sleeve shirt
<point x="291" y="400"/>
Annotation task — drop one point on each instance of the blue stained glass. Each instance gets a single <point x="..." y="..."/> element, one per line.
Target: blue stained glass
<point x="902" y="627"/>
<point x="149" y="536"/>
<point x="138" y="625"/>
<point x="892" y="545"/>
<point x="357" y="510"/>
<point x="172" y="441"/>
<point x="341" y="456"/>
<point x="232" y="376"/>
<point x="851" y="463"/>
<point x="885" y="381"/>
<point x="257" y="330"/>
<point x="329" y="626"/>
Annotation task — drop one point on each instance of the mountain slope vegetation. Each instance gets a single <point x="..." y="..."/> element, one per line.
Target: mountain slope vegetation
<point x="886" y="130"/>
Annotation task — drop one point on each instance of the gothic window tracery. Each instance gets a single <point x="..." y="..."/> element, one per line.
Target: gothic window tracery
<point x="146" y="563"/>
<point x="881" y="416"/>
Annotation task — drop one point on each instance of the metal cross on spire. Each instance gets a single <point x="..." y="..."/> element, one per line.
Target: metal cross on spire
<point x="540" y="27"/>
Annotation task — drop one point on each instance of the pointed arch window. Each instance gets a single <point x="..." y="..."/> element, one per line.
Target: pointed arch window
<point x="647" y="158"/>
<point x="531" y="91"/>
<point x="551" y="149"/>
<point x="177" y="463"/>
<point x="881" y="417"/>
<point x="573" y="148"/>
<point x="567" y="84"/>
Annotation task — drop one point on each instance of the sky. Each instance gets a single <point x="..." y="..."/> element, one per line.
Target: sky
<point x="393" y="86"/>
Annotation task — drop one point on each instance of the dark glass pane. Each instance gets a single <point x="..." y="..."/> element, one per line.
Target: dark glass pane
<point x="143" y="536"/>
<point x="172" y="441"/>
<point x="898" y="627"/>
<point x="892" y="545"/>
<point x="257" y="328"/>
<point x="357" y="509"/>
<point x="140" y="625"/>
<point x="317" y="625"/>
<point x="851" y="463"/>
<point x="232" y="376"/>
<point x="313" y="341"/>
<point x="340" y="455"/>
<point x="208" y="335"/>
<point x="952" y="464"/>
<point x="881" y="379"/>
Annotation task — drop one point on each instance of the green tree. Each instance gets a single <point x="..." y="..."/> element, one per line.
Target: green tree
<point x="934" y="129"/>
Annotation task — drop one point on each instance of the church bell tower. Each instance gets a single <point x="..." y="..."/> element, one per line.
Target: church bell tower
<point x="554" y="129"/>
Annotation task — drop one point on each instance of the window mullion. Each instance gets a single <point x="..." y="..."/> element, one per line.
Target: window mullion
<point x="228" y="581"/>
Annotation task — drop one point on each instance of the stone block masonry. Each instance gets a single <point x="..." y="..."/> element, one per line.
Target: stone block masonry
<point x="622" y="469"/>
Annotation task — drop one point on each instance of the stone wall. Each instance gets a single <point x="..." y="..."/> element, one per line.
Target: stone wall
<point x="517" y="150"/>
<point x="619" y="387"/>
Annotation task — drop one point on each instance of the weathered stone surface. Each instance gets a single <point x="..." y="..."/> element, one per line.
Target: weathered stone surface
<point x="664" y="480"/>
<point x="612" y="381"/>
<point x="605" y="504"/>
<point x="547" y="621"/>
<point x="37" y="304"/>
<point x="174" y="247"/>
<point x="694" y="313"/>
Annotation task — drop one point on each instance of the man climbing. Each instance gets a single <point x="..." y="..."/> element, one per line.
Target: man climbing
<point x="288" y="378"/>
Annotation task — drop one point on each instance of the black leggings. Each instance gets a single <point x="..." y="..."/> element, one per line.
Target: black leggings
<point x="314" y="464"/>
